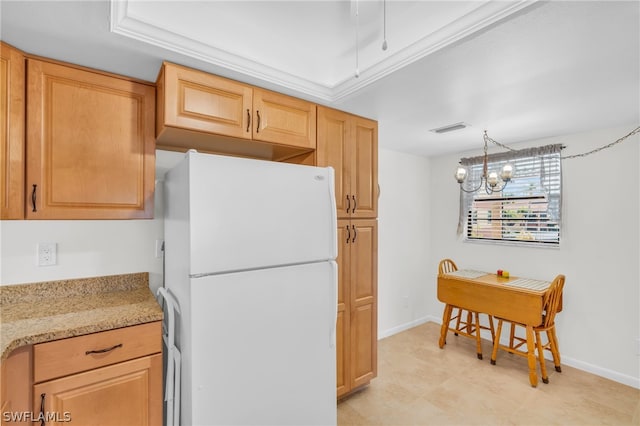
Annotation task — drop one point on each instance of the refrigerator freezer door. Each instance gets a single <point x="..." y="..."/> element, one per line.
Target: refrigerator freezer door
<point x="248" y="214"/>
<point x="262" y="349"/>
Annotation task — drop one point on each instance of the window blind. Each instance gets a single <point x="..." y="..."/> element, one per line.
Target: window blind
<point x="527" y="210"/>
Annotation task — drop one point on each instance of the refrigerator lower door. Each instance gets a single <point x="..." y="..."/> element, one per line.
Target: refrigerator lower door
<point x="263" y="347"/>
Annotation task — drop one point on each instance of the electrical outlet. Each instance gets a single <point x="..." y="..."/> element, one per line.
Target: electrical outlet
<point x="47" y="255"/>
<point x="405" y="300"/>
<point x="638" y="346"/>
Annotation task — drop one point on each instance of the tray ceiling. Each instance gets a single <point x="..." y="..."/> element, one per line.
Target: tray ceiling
<point x="313" y="47"/>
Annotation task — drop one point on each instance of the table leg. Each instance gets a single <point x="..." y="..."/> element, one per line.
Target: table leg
<point x="478" y="338"/>
<point x="446" y="317"/>
<point x="531" y="357"/>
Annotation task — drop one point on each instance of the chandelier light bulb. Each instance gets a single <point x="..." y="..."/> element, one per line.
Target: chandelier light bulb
<point x="461" y="174"/>
<point x="492" y="178"/>
<point x="507" y="172"/>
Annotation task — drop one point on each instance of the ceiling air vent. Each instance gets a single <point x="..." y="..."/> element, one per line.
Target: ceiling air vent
<point x="450" y="128"/>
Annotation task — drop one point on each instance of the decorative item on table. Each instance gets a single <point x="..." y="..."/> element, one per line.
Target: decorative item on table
<point x="502" y="273"/>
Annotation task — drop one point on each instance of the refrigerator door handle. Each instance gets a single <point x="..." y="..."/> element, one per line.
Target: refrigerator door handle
<point x="334" y="308"/>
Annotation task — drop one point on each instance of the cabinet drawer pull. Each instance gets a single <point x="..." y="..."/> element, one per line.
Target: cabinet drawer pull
<point x="355" y="233"/>
<point x="258" y="125"/>
<point x="248" y="120"/>
<point x="354" y="204"/>
<point x="33" y="198"/>
<point x="348" y="203"/>
<point x="348" y="234"/>
<point x="101" y="351"/>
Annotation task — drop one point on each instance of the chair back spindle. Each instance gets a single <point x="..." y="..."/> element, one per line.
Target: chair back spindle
<point x="446" y="266"/>
<point x="552" y="300"/>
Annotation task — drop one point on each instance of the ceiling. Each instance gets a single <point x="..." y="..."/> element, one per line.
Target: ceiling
<point x="522" y="70"/>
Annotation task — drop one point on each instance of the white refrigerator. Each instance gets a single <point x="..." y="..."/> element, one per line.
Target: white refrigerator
<point x="250" y="250"/>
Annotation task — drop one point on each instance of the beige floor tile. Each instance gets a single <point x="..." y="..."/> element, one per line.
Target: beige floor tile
<point x="420" y="384"/>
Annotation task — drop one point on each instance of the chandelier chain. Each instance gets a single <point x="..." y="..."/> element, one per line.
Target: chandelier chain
<point x="584" y="154"/>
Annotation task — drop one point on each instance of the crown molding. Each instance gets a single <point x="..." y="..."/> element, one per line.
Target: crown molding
<point x="125" y="24"/>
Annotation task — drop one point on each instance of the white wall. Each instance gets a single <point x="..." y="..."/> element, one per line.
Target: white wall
<point x="86" y="248"/>
<point x="418" y="211"/>
<point x="599" y="326"/>
<point x="403" y="241"/>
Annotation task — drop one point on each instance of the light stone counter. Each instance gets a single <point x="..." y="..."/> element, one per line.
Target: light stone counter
<point x="45" y="311"/>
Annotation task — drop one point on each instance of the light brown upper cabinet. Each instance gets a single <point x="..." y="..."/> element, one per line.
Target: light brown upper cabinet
<point x="12" y="87"/>
<point x="349" y="144"/>
<point x="209" y="113"/>
<point x="90" y="144"/>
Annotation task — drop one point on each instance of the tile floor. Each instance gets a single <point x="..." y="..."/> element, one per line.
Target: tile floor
<point x="420" y="384"/>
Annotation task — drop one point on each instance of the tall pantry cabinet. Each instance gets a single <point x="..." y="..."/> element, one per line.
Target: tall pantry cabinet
<point x="349" y="144"/>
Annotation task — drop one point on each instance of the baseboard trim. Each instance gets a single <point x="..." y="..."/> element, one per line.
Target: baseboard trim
<point x="406" y="326"/>
<point x="625" y="379"/>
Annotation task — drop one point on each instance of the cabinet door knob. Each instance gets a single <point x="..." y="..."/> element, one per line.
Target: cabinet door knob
<point x="348" y="203"/>
<point x="348" y="233"/>
<point x="355" y="233"/>
<point x="248" y="120"/>
<point x="33" y="198"/>
<point x="354" y="204"/>
<point x="258" y="124"/>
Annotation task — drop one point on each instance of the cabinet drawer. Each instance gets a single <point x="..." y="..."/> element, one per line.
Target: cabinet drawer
<point x="68" y="356"/>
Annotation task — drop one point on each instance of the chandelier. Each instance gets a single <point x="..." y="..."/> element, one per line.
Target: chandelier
<point x="489" y="179"/>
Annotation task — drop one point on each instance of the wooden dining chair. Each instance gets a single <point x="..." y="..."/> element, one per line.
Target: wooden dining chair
<point x="467" y="323"/>
<point x="550" y="306"/>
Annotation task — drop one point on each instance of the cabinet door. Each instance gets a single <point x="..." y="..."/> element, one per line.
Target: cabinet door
<point x="364" y="294"/>
<point x="12" y="110"/>
<point x="283" y="120"/>
<point x="90" y="144"/>
<point x="364" y="168"/>
<point x="342" y="325"/>
<point x="195" y="100"/>
<point x="129" y="393"/>
<point x="16" y="386"/>
<point x="333" y="150"/>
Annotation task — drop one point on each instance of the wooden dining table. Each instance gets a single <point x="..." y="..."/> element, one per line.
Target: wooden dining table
<point x="514" y="299"/>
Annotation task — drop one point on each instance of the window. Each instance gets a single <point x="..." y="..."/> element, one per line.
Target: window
<point x="527" y="211"/>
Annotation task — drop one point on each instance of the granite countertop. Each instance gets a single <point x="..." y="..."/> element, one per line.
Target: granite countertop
<point x="41" y="312"/>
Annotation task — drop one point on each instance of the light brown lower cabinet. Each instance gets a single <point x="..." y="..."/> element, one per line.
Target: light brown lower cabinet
<point x="111" y="377"/>
<point x="357" y="322"/>
<point x="121" y="394"/>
